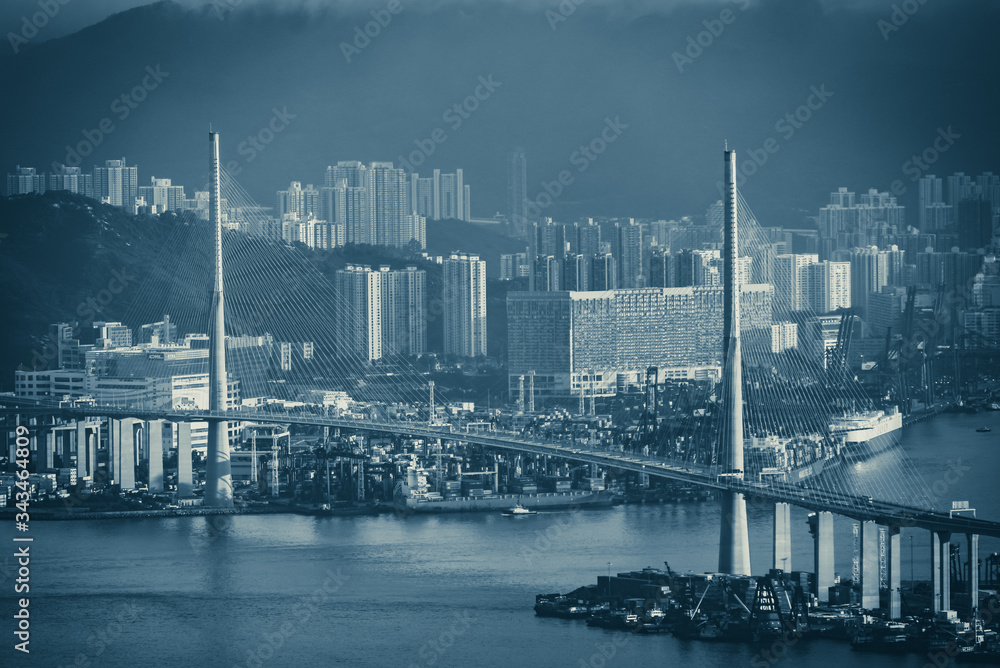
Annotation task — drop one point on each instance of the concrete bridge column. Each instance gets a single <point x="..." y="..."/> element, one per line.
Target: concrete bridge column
<point x="126" y="453"/>
<point x="974" y="570"/>
<point x="114" y="450"/>
<point x="92" y="454"/>
<point x="895" y="574"/>
<point x="154" y="441"/>
<point x="945" y="570"/>
<point x="782" y="536"/>
<point x="869" y="565"/>
<point x="935" y="572"/>
<point x="185" y="484"/>
<point x="50" y="448"/>
<point x="81" y="448"/>
<point x="821" y="526"/>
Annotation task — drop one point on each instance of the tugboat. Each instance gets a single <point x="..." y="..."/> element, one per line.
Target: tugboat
<point x="519" y="510"/>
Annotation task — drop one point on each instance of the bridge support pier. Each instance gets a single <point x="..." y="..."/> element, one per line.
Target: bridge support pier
<point x="935" y="572"/>
<point x="945" y="570"/>
<point x="782" y="536"/>
<point x="869" y="565"/>
<point x="154" y="441"/>
<point x="126" y="453"/>
<point x="974" y="570"/>
<point x="895" y="574"/>
<point x="185" y="485"/>
<point x="821" y="526"/>
<point x="88" y="440"/>
<point x="114" y="445"/>
<point x="50" y="448"/>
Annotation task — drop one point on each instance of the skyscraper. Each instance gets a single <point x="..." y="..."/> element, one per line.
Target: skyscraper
<point x="360" y="318"/>
<point x="24" y="180"/>
<point x="388" y="203"/>
<point x="72" y="179"/>
<point x="116" y="183"/>
<point x="404" y="295"/>
<point x="628" y="242"/>
<point x="829" y="286"/>
<point x="303" y="203"/>
<point x="517" y="193"/>
<point x="163" y="195"/>
<point x="464" y="305"/>
<point x="353" y="207"/>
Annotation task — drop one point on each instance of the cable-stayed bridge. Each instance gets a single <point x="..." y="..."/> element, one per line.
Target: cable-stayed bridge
<point x="278" y="330"/>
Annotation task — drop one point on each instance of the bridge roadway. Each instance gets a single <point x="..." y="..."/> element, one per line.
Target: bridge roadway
<point x="847" y="505"/>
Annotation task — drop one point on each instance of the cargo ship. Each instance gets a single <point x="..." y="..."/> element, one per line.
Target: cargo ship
<point x="412" y="495"/>
<point x="867" y="434"/>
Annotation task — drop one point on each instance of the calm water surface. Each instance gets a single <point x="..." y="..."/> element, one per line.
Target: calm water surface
<point x="416" y="591"/>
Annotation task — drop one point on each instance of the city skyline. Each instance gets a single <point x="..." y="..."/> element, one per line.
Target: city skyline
<point x="500" y="333"/>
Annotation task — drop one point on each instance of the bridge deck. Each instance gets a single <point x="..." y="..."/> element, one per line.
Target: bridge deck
<point x="880" y="511"/>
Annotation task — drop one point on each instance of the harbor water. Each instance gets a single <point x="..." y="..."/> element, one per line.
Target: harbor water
<point x="422" y="590"/>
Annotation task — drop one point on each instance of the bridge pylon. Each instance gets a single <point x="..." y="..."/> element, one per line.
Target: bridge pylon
<point x="734" y="537"/>
<point x="218" y="471"/>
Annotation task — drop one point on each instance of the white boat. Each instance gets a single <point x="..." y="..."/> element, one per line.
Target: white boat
<point x="517" y="510"/>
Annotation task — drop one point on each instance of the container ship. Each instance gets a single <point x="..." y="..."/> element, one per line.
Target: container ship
<point x="854" y="437"/>
<point x="414" y="493"/>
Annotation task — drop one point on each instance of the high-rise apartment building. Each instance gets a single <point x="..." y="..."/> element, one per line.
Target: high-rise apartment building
<point x="464" y="305"/>
<point x="163" y="195"/>
<point x="116" y="183"/>
<point x="388" y="203"/>
<point x="24" y="180"/>
<point x="302" y="203"/>
<point x="404" y="327"/>
<point x="72" y="179"/>
<point x="359" y="320"/>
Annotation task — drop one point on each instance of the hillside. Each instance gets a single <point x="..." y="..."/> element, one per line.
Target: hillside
<point x="68" y="258"/>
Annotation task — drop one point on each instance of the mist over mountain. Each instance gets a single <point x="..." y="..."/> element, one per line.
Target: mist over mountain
<point x="555" y="85"/>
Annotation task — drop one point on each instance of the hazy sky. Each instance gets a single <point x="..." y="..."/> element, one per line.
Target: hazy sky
<point x="77" y="14"/>
<point x="892" y="94"/>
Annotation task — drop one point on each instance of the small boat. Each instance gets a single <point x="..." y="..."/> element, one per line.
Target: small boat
<point x="519" y="510"/>
<point x="983" y="430"/>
